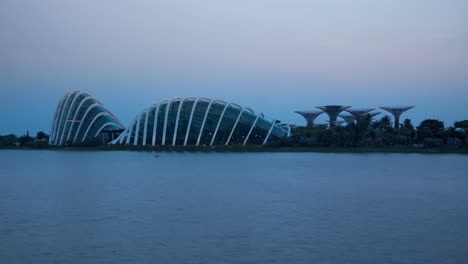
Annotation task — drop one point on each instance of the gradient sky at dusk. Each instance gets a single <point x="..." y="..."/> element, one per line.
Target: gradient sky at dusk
<point x="274" y="56"/>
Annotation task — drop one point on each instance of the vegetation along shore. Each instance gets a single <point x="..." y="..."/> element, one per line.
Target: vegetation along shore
<point x="367" y="136"/>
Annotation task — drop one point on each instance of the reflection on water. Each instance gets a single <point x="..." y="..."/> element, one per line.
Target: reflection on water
<point x="130" y="207"/>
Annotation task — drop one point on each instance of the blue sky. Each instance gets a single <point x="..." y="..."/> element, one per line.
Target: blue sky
<point x="274" y="56"/>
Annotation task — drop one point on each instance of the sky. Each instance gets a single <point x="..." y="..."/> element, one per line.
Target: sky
<point x="273" y="56"/>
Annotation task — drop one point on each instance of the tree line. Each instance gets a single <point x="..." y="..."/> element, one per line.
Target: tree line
<point x="366" y="132"/>
<point x="41" y="139"/>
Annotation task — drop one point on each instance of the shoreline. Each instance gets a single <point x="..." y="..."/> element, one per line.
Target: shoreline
<point x="257" y="149"/>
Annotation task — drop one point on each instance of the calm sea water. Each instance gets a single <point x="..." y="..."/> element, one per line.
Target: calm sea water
<point x="130" y="207"/>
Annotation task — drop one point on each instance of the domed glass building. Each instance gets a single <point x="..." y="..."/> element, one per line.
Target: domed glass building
<point x="197" y="122"/>
<point x="80" y="118"/>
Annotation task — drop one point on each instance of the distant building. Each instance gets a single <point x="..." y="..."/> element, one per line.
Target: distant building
<point x="80" y="117"/>
<point x="178" y="122"/>
<point x="200" y="121"/>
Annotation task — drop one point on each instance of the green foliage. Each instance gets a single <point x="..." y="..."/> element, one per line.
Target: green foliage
<point x="408" y="125"/>
<point x="430" y="128"/>
<point x="23" y="140"/>
<point x="459" y="130"/>
<point x="408" y="131"/>
<point x="366" y="133"/>
<point x="432" y="124"/>
<point x="41" y="136"/>
<point x="349" y="136"/>
<point x="384" y="123"/>
<point x="8" y="140"/>
<point x="461" y="124"/>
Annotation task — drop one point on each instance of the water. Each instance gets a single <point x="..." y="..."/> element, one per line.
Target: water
<point x="130" y="207"/>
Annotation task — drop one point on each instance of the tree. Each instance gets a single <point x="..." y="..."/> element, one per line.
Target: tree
<point x="8" y="140"/>
<point x="23" y="140"/>
<point x="461" y="124"/>
<point x="384" y="132"/>
<point x="407" y="124"/>
<point x="430" y="128"/>
<point x="385" y="122"/>
<point x="407" y="129"/>
<point x="41" y="135"/>
<point x="360" y="131"/>
<point x="461" y="130"/>
<point x="433" y="125"/>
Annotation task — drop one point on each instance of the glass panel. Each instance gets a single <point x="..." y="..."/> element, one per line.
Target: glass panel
<point x="212" y="119"/>
<point x="171" y="120"/>
<point x="183" y="121"/>
<point x="197" y="120"/>
<point x="160" y="123"/>
<point x="226" y="125"/>
<point x="242" y="128"/>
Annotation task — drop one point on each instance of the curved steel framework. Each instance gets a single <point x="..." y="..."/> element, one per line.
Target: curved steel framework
<point x="359" y="113"/>
<point x="338" y="123"/>
<point x="396" y="111"/>
<point x="333" y="111"/>
<point x="373" y="114"/>
<point x="80" y="117"/>
<point x="349" y="119"/>
<point x="287" y="128"/>
<point x="199" y="121"/>
<point x="310" y="116"/>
